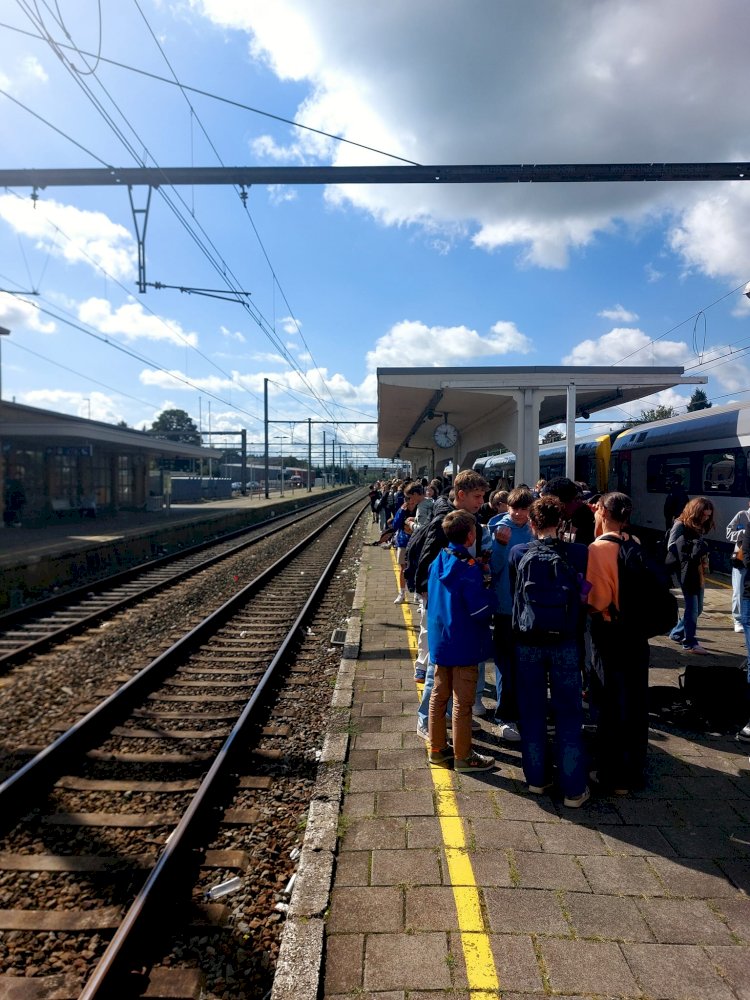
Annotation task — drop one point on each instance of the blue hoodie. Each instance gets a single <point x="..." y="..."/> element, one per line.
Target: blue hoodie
<point x="500" y="558"/>
<point x="458" y="610"/>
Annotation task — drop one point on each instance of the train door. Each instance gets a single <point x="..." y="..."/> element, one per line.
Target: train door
<point x="620" y="472"/>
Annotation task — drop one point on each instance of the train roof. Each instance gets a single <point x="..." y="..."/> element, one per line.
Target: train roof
<point x="584" y="442"/>
<point x="729" y="421"/>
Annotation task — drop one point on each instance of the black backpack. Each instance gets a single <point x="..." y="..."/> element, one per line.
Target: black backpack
<point x="413" y="552"/>
<point x="646" y="605"/>
<point x="547" y="598"/>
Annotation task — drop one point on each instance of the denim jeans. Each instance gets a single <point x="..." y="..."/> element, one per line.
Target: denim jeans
<point x="738" y="583"/>
<point x="684" y="630"/>
<point x="745" y="622"/>
<point x="558" y="664"/>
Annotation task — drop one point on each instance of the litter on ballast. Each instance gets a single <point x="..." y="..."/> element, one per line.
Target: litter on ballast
<point x="287" y="890"/>
<point x="295" y="853"/>
<point x="282" y="907"/>
<point x="224" y="888"/>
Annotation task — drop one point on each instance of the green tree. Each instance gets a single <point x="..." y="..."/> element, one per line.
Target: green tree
<point x="176" y="425"/>
<point x="553" y="435"/>
<point x="698" y="401"/>
<point x="656" y="413"/>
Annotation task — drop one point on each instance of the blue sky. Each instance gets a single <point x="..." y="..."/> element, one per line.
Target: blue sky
<point x="345" y="280"/>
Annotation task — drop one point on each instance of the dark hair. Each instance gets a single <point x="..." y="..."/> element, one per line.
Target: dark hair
<point x="457" y="525"/>
<point x="546" y="512"/>
<point x="692" y="515"/>
<point x="521" y="497"/>
<point x="562" y="488"/>
<point x="619" y="506"/>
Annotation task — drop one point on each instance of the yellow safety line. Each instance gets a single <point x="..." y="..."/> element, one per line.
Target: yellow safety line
<point x="481" y="976"/>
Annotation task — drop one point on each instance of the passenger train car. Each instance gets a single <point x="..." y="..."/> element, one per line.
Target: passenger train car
<point x="592" y="455"/>
<point x="708" y="451"/>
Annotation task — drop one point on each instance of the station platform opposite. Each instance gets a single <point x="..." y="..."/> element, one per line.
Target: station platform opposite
<point x="467" y="885"/>
<point x="34" y="560"/>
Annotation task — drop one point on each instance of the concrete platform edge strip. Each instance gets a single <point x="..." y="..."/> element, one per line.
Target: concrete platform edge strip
<point x="299" y="966"/>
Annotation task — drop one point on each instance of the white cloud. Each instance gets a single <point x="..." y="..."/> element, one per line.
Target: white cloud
<point x="652" y="274"/>
<point x="33" y="69"/>
<point x="290" y="325"/>
<point x="232" y="334"/>
<point x="93" y="406"/>
<point x="132" y="322"/>
<point x="619" y="313"/>
<point x="615" y="346"/>
<point x="18" y="314"/>
<point x="638" y="85"/>
<point x="412" y="343"/>
<point x="73" y="234"/>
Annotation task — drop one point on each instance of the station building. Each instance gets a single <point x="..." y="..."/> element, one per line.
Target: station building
<point x="52" y="464"/>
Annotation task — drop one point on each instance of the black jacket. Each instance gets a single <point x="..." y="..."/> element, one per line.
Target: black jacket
<point x="434" y="541"/>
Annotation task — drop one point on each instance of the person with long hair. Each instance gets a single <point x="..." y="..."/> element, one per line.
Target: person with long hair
<point x="687" y="558"/>
<point x="619" y="678"/>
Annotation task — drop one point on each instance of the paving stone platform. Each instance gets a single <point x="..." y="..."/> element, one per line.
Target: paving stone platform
<point x="468" y="885"/>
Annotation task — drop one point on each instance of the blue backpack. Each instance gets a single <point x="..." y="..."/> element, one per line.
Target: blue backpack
<point x="547" y="598"/>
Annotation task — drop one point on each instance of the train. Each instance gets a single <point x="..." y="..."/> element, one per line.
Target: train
<point x="707" y="451"/>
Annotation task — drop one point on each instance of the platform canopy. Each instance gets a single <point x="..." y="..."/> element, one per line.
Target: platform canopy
<point x="493" y="408"/>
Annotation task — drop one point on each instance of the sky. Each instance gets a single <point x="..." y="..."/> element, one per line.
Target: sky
<point x="345" y="279"/>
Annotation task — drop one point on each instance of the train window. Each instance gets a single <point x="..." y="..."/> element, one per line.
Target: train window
<point x="661" y="470"/>
<point x="718" y="472"/>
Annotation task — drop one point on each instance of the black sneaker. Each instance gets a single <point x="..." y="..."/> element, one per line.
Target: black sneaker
<point x="475" y="762"/>
<point x="441" y="758"/>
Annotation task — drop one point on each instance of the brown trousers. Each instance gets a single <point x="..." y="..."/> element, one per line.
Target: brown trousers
<point x="461" y="682"/>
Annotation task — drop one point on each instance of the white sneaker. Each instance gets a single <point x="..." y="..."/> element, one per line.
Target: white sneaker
<point x="400" y="599"/>
<point x="423" y="732"/>
<point x="738" y="627"/>
<point x="576" y="801"/>
<point x="744" y="734"/>
<point x="508" y="731"/>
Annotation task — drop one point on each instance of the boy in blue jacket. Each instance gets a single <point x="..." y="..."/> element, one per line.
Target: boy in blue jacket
<point x="458" y="618"/>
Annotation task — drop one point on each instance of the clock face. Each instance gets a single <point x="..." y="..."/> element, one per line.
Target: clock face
<point x="445" y="435"/>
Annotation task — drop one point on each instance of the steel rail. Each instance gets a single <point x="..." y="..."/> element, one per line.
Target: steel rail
<point x="159" y="891"/>
<point x="29" y="616"/>
<point x="18" y="791"/>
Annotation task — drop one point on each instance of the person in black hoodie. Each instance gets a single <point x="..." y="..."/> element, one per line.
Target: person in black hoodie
<point x="578" y="518"/>
<point x="687" y="557"/>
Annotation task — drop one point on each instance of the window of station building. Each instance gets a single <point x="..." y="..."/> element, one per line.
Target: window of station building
<point x="63" y="478"/>
<point x="663" y="470"/>
<point x="719" y="472"/>
<point x="124" y="480"/>
<point x="101" y="478"/>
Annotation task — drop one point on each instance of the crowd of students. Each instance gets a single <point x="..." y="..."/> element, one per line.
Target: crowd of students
<point x="531" y="581"/>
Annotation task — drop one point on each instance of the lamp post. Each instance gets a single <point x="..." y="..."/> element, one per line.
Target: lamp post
<point x="281" y="438"/>
<point x="3" y="333"/>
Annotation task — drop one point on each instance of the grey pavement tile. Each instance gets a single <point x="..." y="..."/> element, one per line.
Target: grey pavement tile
<point x="597" y="812"/>
<point x="703" y="841"/>
<point x="616" y="918"/>
<point x="407" y="962"/>
<point x="525" y="911"/>
<point x="359" y="804"/>
<point x="675" y="972"/>
<point x="353" y="868"/>
<point x="662" y="786"/>
<point x="699" y="812"/>
<point x="407" y="803"/>
<point x="587" y="967"/>
<point x="362" y="760"/>
<point x="400" y="723"/>
<point x="378" y="741"/>
<point x="410" y="867"/>
<point x="357" y="909"/>
<point x="367" y="697"/>
<point x="377" y="684"/>
<point x="569" y="838"/>
<point x="431" y="908"/>
<point x="504" y="833"/>
<point x="737" y="914"/>
<point x="402" y="759"/>
<point x="692" y="877"/>
<point x="713" y="787"/>
<point x="369" y="725"/>
<point x="637" y="840"/>
<point x="684" y="921"/>
<point x="376" y="781"/>
<point x="382" y="708"/>
<point x="629" y="876"/>
<point x="370" y="834"/>
<point x="516" y="966"/>
<point x="418" y="777"/>
<point x="734" y="964"/>
<point x="642" y="812"/>
<point x="535" y="809"/>
<point x="367" y="995"/>
<point x="410" y="740"/>
<point x="548" y="871"/>
<point x="470" y="804"/>
<point x="491" y="868"/>
<point x="424" y="831"/>
<point x="344" y="957"/>
<point x="738" y="872"/>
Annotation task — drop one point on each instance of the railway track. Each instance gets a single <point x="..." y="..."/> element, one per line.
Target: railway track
<point x="37" y="628"/>
<point x="111" y="820"/>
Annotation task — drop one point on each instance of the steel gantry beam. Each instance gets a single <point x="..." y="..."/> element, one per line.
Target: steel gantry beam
<point x="523" y="173"/>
